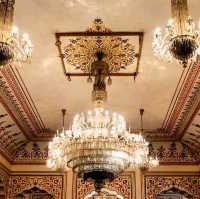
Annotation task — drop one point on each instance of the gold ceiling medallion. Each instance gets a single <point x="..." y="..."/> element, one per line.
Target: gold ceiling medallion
<point x="13" y="47"/>
<point x="81" y="52"/>
<point x="99" y="53"/>
<point x="180" y="39"/>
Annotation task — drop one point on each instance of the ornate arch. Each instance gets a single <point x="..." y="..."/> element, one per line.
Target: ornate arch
<point x="51" y="184"/>
<point x="35" y="192"/>
<point x="175" y="190"/>
<point x="104" y="190"/>
<point x="156" y="184"/>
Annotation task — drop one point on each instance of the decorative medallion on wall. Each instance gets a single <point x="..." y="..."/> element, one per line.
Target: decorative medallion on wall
<point x="78" y="50"/>
<point x="51" y="184"/>
<point x="156" y="184"/>
<point x="123" y="186"/>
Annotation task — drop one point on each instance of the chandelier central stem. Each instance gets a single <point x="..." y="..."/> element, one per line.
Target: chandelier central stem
<point x="63" y="117"/>
<point x="180" y="14"/>
<point x="100" y="70"/>
<point x="6" y="14"/>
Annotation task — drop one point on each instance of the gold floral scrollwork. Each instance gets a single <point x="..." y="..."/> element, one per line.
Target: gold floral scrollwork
<point x="156" y="184"/>
<point x="81" y="51"/>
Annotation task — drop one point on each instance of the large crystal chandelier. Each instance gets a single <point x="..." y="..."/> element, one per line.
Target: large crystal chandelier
<point x="180" y="39"/>
<point x="99" y="147"/>
<point x="13" y="47"/>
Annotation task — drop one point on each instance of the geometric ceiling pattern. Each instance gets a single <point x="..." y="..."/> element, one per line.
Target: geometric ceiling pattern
<point x="32" y="96"/>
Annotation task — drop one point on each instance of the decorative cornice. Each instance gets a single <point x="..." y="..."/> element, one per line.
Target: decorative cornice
<point x="174" y="153"/>
<point x="184" y="108"/>
<point x="32" y="154"/>
<point x="168" y="153"/>
<point x="16" y="99"/>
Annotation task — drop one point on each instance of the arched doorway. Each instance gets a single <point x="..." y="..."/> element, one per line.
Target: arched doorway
<point x="105" y="194"/>
<point x="34" y="193"/>
<point x="173" y="193"/>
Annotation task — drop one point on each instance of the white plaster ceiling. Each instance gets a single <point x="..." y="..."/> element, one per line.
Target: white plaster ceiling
<point x="49" y="87"/>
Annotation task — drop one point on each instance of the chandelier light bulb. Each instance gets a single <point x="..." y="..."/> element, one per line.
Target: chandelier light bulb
<point x="170" y="22"/>
<point x="25" y="37"/>
<point x="15" y="30"/>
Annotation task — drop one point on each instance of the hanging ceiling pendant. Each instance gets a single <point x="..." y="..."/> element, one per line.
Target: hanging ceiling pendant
<point x="99" y="147"/>
<point x="99" y="56"/>
<point x="13" y="47"/>
<point x="180" y="39"/>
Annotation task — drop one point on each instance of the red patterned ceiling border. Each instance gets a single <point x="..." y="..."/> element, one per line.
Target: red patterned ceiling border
<point x="184" y="106"/>
<point x="29" y="98"/>
<point x="175" y="96"/>
<point x="21" y="96"/>
<point x="24" y="106"/>
<point x="185" y="102"/>
<point x="13" y="108"/>
<point x="188" y="104"/>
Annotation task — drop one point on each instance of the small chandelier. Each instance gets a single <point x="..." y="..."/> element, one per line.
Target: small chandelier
<point x="99" y="147"/>
<point x="180" y="39"/>
<point x="13" y="47"/>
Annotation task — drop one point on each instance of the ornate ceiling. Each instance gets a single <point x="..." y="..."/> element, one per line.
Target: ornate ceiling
<point x="32" y="96"/>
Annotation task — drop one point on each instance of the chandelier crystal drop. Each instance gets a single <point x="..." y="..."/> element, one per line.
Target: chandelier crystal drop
<point x="180" y="39"/>
<point x="13" y="46"/>
<point x="99" y="147"/>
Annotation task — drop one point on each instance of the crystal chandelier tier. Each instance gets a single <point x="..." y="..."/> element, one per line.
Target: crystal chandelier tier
<point x="13" y="47"/>
<point x="99" y="147"/>
<point x="180" y="39"/>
